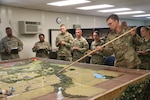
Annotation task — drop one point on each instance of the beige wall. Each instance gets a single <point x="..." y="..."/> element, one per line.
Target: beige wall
<point x="11" y="15"/>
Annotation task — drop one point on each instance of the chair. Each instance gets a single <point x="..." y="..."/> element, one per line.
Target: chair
<point x="109" y="61"/>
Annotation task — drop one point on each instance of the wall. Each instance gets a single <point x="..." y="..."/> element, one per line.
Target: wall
<point x="147" y="23"/>
<point x="11" y="15"/>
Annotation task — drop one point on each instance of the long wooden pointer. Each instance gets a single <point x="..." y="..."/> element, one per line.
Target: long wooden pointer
<point x="96" y="50"/>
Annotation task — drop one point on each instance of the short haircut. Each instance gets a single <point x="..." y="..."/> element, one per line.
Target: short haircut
<point x="97" y="32"/>
<point x="8" y="28"/>
<point x="124" y="23"/>
<point x="114" y="17"/>
<point x="147" y="28"/>
<point x="62" y="25"/>
<point x="41" y="35"/>
<point x="79" y="29"/>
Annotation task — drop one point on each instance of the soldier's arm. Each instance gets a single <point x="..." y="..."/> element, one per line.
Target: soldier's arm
<point x="148" y="49"/>
<point x="49" y="46"/>
<point x="92" y="46"/>
<point x="2" y="48"/>
<point x="20" y="45"/>
<point x="108" y="50"/>
<point x="137" y="40"/>
<point x="69" y="44"/>
<point x="85" y="46"/>
<point x="34" y="49"/>
<point x="57" y="41"/>
<point x="72" y="45"/>
<point x="98" y="52"/>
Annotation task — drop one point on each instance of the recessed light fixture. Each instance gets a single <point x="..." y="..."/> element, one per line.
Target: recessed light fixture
<point x="114" y="10"/>
<point x="68" y="2"/>
<point x="95" y="7"/>
<point x="143" y="15"/>
<point x="130" y="12"/>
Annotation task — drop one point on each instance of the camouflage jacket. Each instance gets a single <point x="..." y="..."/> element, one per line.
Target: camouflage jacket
<point x="13" y="45"/>
<point x="123" y="49"/>
<point x="97" y="57"/>
<point x="42" y="49"/>
<point x="145" y="59"/>
<point x="64" y="50"/>
<point x="83" y="46"/>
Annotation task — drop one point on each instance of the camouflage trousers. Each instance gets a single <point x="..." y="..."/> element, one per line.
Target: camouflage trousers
<point x="8" y="56"/>
<point x="125" y="64"/>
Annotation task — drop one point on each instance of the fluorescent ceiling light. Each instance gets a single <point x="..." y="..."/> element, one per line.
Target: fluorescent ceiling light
<point x="131" y="12"/>
<point x="148" y="17"/>
<point x="145" y="15"/>
<point x="114" y="10"/>
<point x="68" y="2"/>
<point x="95" y="7"/>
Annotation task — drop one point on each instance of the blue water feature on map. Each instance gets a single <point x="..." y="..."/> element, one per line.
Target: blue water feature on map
<point x="97" y="75"/>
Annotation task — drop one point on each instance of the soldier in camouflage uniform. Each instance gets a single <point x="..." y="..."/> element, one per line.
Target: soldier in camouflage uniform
<point x="64" y="42"/>
<point x="10" y="46"/>
<point x="123" y="48"/>
<point x="97" y="57"/>
<point x="80" y="46"/>
<point x="42" y="48"/>
<point x="144" y="50"/>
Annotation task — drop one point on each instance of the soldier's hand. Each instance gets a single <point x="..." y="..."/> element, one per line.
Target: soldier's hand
<point x="62" y="42"/>
<point x="75" y="48"/>
<point x="93" y="53"/>
<point x="36" y="47"/>
<point x="99" y="48"/>
<point x="133" y="32"/>
<point x="7" y="50"/>
<point x="142" y="52"/>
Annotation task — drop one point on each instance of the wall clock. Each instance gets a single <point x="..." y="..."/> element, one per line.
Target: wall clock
<point x="58" y="20"/>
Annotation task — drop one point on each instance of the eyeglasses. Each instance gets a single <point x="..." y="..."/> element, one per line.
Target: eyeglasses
<point x="110" y="23"/>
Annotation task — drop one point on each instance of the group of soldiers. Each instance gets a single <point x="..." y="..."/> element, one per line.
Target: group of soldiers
<point x="130" y="50"/>
<point x="10" y="46"/>
<point x="72" y="49"/>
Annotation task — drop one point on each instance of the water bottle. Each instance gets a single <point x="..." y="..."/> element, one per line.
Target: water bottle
<point x="59" y="94"/>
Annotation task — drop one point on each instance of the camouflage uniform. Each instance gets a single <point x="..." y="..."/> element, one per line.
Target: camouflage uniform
<point x="97" y="57"/>
<point x="42" y="49"/>
<point x="13" y="45"/>
<point x="145" y="59"/>
<point x="123" y="49"/>
<point x="83" y="46"/>
<point x="64" y="51"/>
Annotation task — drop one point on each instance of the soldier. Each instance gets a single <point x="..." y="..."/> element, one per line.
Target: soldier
<point x="42" y="48"/>
<point x="123" y="48"/>
<point x="80" y="46"/>
<point x="97" y="57"/>
<point x="124" y="24"/>
<point x="144" y="49"/>
<point x="10" y="46"/>
<point x="64" y="42"/>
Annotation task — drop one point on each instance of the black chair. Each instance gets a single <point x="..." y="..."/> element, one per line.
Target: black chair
<point x="109" y="61"/>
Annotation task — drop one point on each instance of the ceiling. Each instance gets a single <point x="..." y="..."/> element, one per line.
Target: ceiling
<point x="41" y="5"/>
